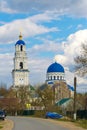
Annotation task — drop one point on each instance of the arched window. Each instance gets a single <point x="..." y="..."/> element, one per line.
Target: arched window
<point x="21" y="65"/>
<point x="58" y="77"/>
<point x="54" y="77"/>
<point x="21" y="48"/>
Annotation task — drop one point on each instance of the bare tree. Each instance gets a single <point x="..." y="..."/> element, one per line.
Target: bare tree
<point x="82" y="99"/>
<point x="81" y="61"/>
<point x="81" y="69"/>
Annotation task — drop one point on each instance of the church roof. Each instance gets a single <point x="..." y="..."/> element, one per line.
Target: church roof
<point x="70" y="88"/>
<point x="55" y="67"/>
<point x="20" y="42"/>
<point x="62" y="101"/>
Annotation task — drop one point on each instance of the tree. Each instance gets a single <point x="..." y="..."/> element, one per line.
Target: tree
<point x="10" y="93"/>
<point x="81" y="61"/>
<point x="82" y="99"/>
<point x="81" y="68"/>
<point x="23" y="94"/>
<point x="8" y="101"/>
<point x="45" y="96"/>
<point x="3" y="90"/>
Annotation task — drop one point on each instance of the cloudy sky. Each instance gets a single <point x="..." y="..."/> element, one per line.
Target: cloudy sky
<point x="52" y="30"/>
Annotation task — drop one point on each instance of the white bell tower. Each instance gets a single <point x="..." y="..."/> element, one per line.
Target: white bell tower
<point x="20" y="73"/>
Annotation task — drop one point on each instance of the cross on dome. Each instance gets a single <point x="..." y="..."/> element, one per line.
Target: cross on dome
<point x="20" y="36"/>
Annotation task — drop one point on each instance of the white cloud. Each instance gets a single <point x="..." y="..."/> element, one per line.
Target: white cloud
<point x="38" y="68"/>
<point x="4" y="7"/>
<point x="6" y="62"/>
<point x="78" y="8"/>
<point x="73" y="44"/>
<point x="6" y="66"/>
<point x="61" y="59"/>
<point x="47" y="16"/>
<point x="72" y="48"/>
<point x="72" y="7"/>
<point x="29" y="27"/>
<point x="46" y="46"/>
<point x="37" y="5"/>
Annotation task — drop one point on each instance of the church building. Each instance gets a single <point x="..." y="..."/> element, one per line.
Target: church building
<point x="55" y="77"/>
<point x="55" y="72"/>
<point x="20" y="73"/>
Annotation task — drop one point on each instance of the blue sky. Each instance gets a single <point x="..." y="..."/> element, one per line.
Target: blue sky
<point x="52" y="30"/>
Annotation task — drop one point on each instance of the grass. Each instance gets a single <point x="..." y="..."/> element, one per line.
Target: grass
<point x="1" y="127"/>
<point x="1" y="124"/>
<point x="82" y="123"/>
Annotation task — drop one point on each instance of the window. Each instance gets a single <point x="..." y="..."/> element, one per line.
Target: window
<point x="21" y="48"/>
<point x="54" y="77"/>
<point x="58" y="77"/>
<point x="21" y="65"/>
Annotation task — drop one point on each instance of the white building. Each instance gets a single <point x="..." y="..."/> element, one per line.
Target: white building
<point x="20" y="73"/>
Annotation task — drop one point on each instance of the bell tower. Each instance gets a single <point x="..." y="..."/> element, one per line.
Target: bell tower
<point x="20" y="73"/>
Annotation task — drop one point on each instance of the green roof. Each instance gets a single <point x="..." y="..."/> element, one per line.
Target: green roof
<point x="62" y="101"/>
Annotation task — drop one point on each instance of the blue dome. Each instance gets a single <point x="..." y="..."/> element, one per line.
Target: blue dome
<point x="55" y="67"/>
<point x="19" y="42"/>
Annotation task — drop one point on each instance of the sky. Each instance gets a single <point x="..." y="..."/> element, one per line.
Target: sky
<point x="52" y="30"/>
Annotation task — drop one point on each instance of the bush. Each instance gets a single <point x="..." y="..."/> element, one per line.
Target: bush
<point x="40" y="113"/>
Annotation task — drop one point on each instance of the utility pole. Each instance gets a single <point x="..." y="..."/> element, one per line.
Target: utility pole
<point x="74" y="106"/>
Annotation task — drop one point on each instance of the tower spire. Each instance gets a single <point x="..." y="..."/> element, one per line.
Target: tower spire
<point x="20" y="36"/>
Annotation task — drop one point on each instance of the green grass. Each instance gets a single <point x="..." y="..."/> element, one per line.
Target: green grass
<point x="1" y="124"/>
<point x="1" y="127"/>
<point x="82" y="123"/>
